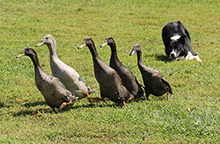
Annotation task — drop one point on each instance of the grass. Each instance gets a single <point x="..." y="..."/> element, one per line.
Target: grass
<point x="190" y="116"/>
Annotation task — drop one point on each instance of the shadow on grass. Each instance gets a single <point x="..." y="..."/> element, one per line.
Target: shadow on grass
<point x="33" y="104"/>
<point x="2" y="105"/>
<point x="100" y="104"/>
<point x="151" y="98"/>
<point x="160" y="57"/>
<point x="87" y="105"/>
<point x="158" y="98"/>
<point x="33" y="113"/>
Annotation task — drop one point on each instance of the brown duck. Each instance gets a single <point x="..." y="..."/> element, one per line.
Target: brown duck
<point x="154" y="82"/>
<point x="128" y="78"/>
<point x="109" y="81"/>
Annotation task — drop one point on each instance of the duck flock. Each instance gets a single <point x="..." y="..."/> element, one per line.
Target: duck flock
<point x="116" y="82"/>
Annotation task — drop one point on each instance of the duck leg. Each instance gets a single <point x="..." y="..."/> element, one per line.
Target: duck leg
<point x="124" y="104"/>
<point x="168" y="94"/>
<point x="147" y="92"/>
<point x="54" y="110"/>
<point x="131" y="98"/>
<point x="64" y="104"/>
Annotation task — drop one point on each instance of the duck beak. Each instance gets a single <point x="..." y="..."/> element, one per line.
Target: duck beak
<point x="132" y="52"/>
<point x="20" y="55"/>
<point x="40" y="44"/>
<point x="82" y="45"/>
<point x="104" y="44"/>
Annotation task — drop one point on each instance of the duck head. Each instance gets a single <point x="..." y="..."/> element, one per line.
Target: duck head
<point x="47" y="39"/>
<point x="86" y="42"/>
<point x="136" y="48"/>
<point x="27" y="52"/>
<point x="108" y="41"/>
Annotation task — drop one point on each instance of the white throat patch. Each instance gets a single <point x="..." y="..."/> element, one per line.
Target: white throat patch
<point x="175" y="38"/>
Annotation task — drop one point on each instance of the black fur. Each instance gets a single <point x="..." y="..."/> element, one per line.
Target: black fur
<point x="180" y="47"/>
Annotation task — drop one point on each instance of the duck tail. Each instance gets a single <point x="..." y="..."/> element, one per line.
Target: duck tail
<point x="170" y="91"/>
<point x="90" y="90"/>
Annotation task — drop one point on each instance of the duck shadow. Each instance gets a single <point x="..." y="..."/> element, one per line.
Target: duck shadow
<point x="151" y="98"/>
<point x="2" y="105"/>
<point x="143" y="98"/>
<point x="96" y="104"/>
<point x="34" y="104"/>
<point x="31" y="112"/>
<point x="89" y="105"/>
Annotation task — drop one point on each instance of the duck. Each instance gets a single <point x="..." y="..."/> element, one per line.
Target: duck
<point x="153" y="80"/>
<point x="110" y="83"/>
<point x="67" y="75"/>
<point x="53" y="90"/>
<point x="128" y="78"/>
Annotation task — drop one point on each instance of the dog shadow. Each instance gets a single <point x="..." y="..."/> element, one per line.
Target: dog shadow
<point x="161" y="57"/>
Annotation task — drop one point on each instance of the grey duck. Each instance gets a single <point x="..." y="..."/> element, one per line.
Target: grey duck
<point x="53" y="90"/>
<point x="68" y="76"/>
<point x="154" y="82"/>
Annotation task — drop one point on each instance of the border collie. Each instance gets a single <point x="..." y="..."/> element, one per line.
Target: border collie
<point x="177" y="42"/>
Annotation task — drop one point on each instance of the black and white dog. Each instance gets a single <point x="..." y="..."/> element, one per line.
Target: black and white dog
<point x="177" y="42"/>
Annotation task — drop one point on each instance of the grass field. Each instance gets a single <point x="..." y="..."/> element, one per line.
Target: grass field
<point x="192" y="115"/>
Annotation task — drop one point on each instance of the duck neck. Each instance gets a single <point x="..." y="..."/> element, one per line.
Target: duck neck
<point x="52" y="48"/>
<point x="36" y="63"/>
<point x="139" y="57"/>
<point x="114" y="51"/>
<point x="93" y="51"/>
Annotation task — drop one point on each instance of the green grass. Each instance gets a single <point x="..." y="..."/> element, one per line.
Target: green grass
<point x="192" y="115"/>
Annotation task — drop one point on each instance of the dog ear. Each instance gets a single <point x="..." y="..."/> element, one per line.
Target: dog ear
<point x="182" y="39"/>
<point x="166" y="40"/>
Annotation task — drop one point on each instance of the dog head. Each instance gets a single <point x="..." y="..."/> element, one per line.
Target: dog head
<point x="178" y="47"/>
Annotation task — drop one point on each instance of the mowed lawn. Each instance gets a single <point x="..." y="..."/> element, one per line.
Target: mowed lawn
<point x="191" y="115"/>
